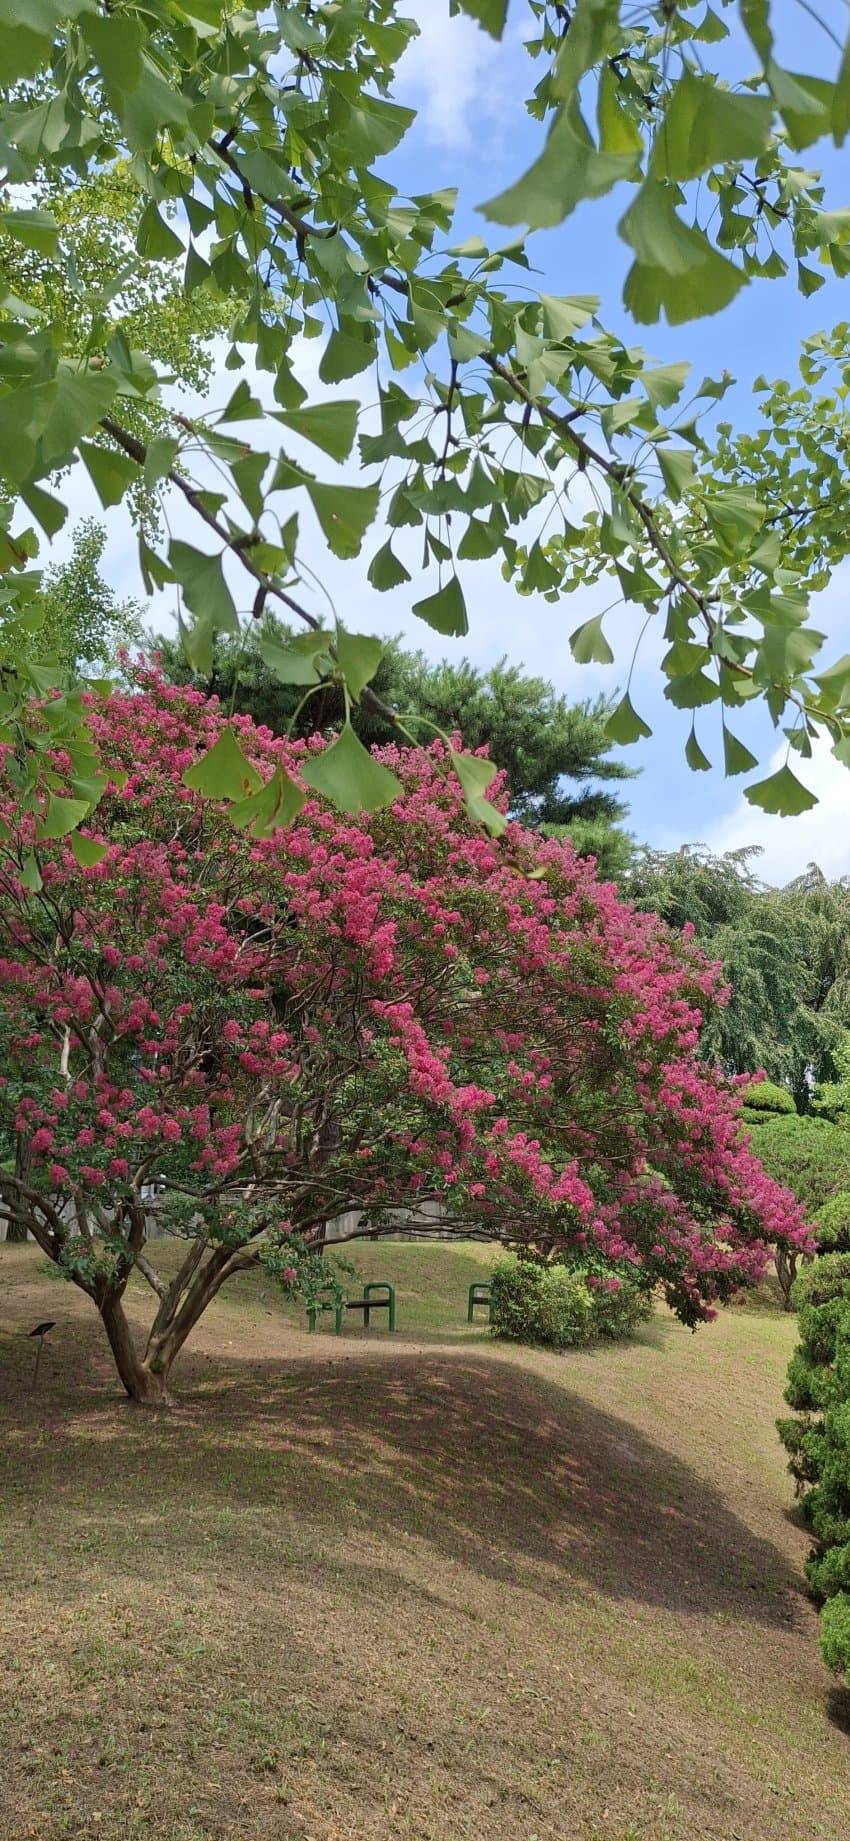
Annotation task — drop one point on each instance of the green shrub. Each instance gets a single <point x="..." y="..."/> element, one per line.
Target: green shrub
<point x="810" y="1156"/>
<point x="564" y="1309"/>
<point x="832" y="1223"/>
<point x="566" y="1306"/>
<point x="835" y="1633"/>
<point x="766" y="1096"/>
<point x="817" y="1440"/>
<point x="622" y="1297"/>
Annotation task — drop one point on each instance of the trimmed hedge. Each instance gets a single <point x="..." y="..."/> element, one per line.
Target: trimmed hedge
<point x="566" y="1306"/>
<point x="766" y="1096"/>
<point x="810" y="1156"/>
<point x="817" y="1440"/>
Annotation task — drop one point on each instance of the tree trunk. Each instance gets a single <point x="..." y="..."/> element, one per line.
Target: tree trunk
<point x="144" y="1385"/>
<point x="786" y="1271"/>
<point x="176" y="1319"/>
<point x="17" y="1230"/>
<point x="145" y="1378"/>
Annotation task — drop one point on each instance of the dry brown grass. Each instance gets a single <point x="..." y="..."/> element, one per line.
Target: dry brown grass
<point x="413" y="1590"/>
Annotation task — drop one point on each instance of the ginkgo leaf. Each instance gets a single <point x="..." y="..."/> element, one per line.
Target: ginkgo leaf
<point x="840" y="117"/>
<point x="358" y="656"/>
<point x="697" y="760"/>
<point x="117" y="42"/>
<point x="475" y="774"/>
<point x="303" y="660"/>
<point x="676" y="270"/>
<point x="223" y="772"/>
<point x="566" y="314"/>
<point x="385" y="571"/>
<point x="664" y="383"/>
<point x="205" y="590"/>
<point x="197" y="639"/>
<point x="373" y="127"/>
<point x="445" y="610"/>
<point x="62" y="815"/>
<point x="588" y="644"/>
<point x="31" y="877"/>
<point x="329" y="426"/>
<point x="345" y="514"/>
<point x="50" y="512"/>
<point x="692" y="690"/>
<point x="677" y="468"/>
<point x="755" y="15"/>
<point x="348" y="775"/>
<point x="593" y="29"/>
<point x="804" y="102"/>
<point x="162" y="452"/>
<point x="705" y="125"/>
<point x="569" y="169"/>
<point x="243" y="406"/>
<point x="481" y="538"/>
<point x="87" y="851"/>
<point x="624" y="724"/>
<point x="781" y="792"/>
<point x="736" y="757"/>
<point x="276" y="804"/>
<point x="248" y="474"/>
<point x="344" y="357"/>
<point x="491" y="14"/>
<point x="111" y="472"/>
<point x="79" y="400"/>
<point x="35" y="228"/>
<point x="155" y="238"/>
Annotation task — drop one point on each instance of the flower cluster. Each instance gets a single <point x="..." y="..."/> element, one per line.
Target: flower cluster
<point x="386" y="1013"/>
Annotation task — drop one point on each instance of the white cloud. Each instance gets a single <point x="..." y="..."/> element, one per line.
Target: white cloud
<point x="457" y="77"/>
<point x="820" y="836"/>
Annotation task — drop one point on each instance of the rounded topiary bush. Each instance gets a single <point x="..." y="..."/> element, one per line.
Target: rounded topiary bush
<point x="766" y="1096"/>
<point x="821" y="1298"/>
<point x="565" y="1306"/>
<point x="823" y="1281"/>
<point x="832" y="1224"/>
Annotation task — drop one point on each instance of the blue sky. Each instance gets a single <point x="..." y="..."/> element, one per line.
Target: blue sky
<point x="473" y="131"/>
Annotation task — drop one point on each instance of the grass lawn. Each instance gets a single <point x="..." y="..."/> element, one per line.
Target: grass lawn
<point x="425" y="1587"/>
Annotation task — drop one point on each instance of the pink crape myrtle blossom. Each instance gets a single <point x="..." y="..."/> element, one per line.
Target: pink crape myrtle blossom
<point x="376" y="1014"/>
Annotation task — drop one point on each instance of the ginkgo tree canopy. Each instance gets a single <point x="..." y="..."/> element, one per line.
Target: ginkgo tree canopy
<point x="250" y="145"/>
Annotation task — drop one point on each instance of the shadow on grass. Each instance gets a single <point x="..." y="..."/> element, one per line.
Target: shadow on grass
<point x="838" y="1709"/>
<point x="492" y="1466"/>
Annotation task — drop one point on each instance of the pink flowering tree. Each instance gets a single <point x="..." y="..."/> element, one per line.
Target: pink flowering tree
<point x="281" y="1014"/>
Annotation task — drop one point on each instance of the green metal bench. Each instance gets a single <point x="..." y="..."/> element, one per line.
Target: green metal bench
<point x="367" y="1304"/>
<point x="479" y="1294"/>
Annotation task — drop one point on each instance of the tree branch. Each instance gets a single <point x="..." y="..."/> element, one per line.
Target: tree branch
<point x="137" y="451"/>
<point x="150" y="1273"/>
<point x="284" y="211"/>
